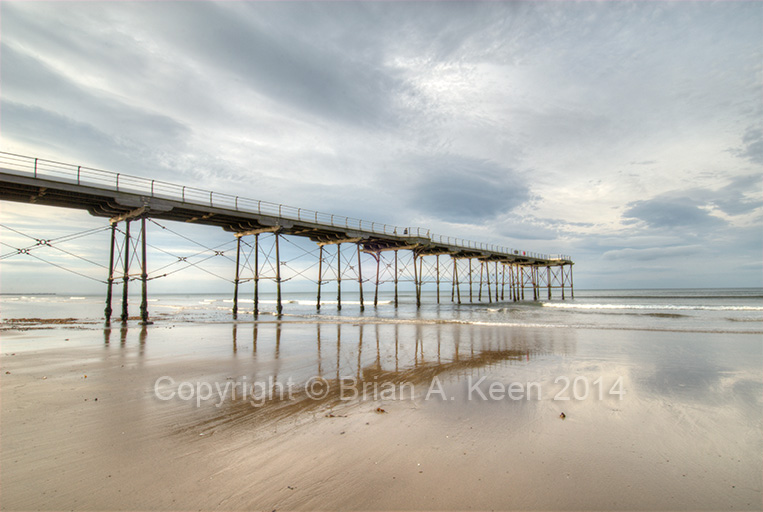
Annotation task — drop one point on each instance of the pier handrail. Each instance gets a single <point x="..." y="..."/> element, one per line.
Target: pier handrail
<point x="120" y="182"/>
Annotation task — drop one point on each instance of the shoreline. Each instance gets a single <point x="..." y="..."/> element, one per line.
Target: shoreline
<point x="20" y="325"/>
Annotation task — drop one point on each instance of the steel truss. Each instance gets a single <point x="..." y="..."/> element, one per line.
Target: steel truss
<point x="471" y="278"/>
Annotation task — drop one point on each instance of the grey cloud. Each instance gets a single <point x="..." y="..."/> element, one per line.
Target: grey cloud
<point x="33" y="125"/>
<point x="735" y="198"/>
<point x="752" y="146"/>
<point x="110" y="47"/>
<point x="652" y="253"/>
<point x="282" y="64"/>
<point x="27" y="80"/>
<point x="741" y="195"/>
<point x="560" y="223"/>
<point x="746" y="243"/>
<point x="526" y="230"/>
<point x="667" y="212"/>
<point x="462" y="189"/>
<point x="67" y="35"/>
<point x="528" y="227"/>
<point x="83" y="142"/>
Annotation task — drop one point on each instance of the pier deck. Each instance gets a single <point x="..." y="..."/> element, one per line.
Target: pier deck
<point x="124" y="198"/>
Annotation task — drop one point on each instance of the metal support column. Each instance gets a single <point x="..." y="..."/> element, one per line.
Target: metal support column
<point x="513" y="282"/>
<point x="487" y="275"/>
<point x="110" y="281"/>
<point x="503" y="281"/>
<point x="482" y="271"/>
<point x="320" y="277"/>
<point x="416" y="281"/>
<point x="470" y="281"/>
<point x="376" y="289"/>
<point x="143" y="274"/>
<point x="256" y="274"/>
<point x="453" y="281"/>
<point x="537" y="282"/>
<point x="496" y="282"/>
<point x="421" y="280"/>
<point x="236" y="279"/>
<point x="548" y="278"/>
<point x="360" y="280"/>
<point x="534" y="278"/>
<point x="279" y="306"/>
<point x="458" y="285"/>
<point x="437" y="273"/>
<point x="572" y="286"/>
<point x="126" y="275"/>
<point x="338" y="277"/>
<point x="396" y="277"/>
<point x="561" y="271"/>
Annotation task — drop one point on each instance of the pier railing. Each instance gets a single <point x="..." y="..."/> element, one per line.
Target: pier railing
<point x="120" y="182"/>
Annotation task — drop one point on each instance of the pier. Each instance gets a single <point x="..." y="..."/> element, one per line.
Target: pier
<point x="378" y="252"/>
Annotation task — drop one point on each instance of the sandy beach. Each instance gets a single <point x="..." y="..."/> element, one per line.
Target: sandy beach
<point x="653" y="421"/>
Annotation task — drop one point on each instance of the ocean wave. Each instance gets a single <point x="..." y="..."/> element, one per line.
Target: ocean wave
<point x="687" y="296"/>
<point x="652" y="306"/>
<point x="308" y="302"/>
<point x="357" y="320"/>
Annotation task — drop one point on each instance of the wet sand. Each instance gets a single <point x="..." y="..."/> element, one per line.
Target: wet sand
<point x="83" y="425"/>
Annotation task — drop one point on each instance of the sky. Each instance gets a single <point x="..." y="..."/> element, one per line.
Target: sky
<point x="625" y="134"/>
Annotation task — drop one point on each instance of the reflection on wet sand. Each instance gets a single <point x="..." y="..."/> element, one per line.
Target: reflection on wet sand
<point x="362" y="357"/>
<point x="685" y="435"/>
<point x="142" y="337"/>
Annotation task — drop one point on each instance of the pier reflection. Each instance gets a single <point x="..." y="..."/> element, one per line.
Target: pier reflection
<point x="272" y="380"/>
<point x="297" y="367"/>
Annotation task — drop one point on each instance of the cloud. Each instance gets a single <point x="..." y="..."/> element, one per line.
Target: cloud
<point x="650" y="254"/>
<point x="529" y="227"/>
<point x="692" y="207"/>
<point x="525" y="229"/>
<point x="460" y="188"/>
<point x="741" y="196"/>
<point x="671" y="212"/>
<point x="752" y="146"/>
<point x="302" y="73"/>
<point x="34" y="125"/>
<point x="48" y="108"/>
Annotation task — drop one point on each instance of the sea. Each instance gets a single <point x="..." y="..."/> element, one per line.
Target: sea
<point x="707" y="310"/>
